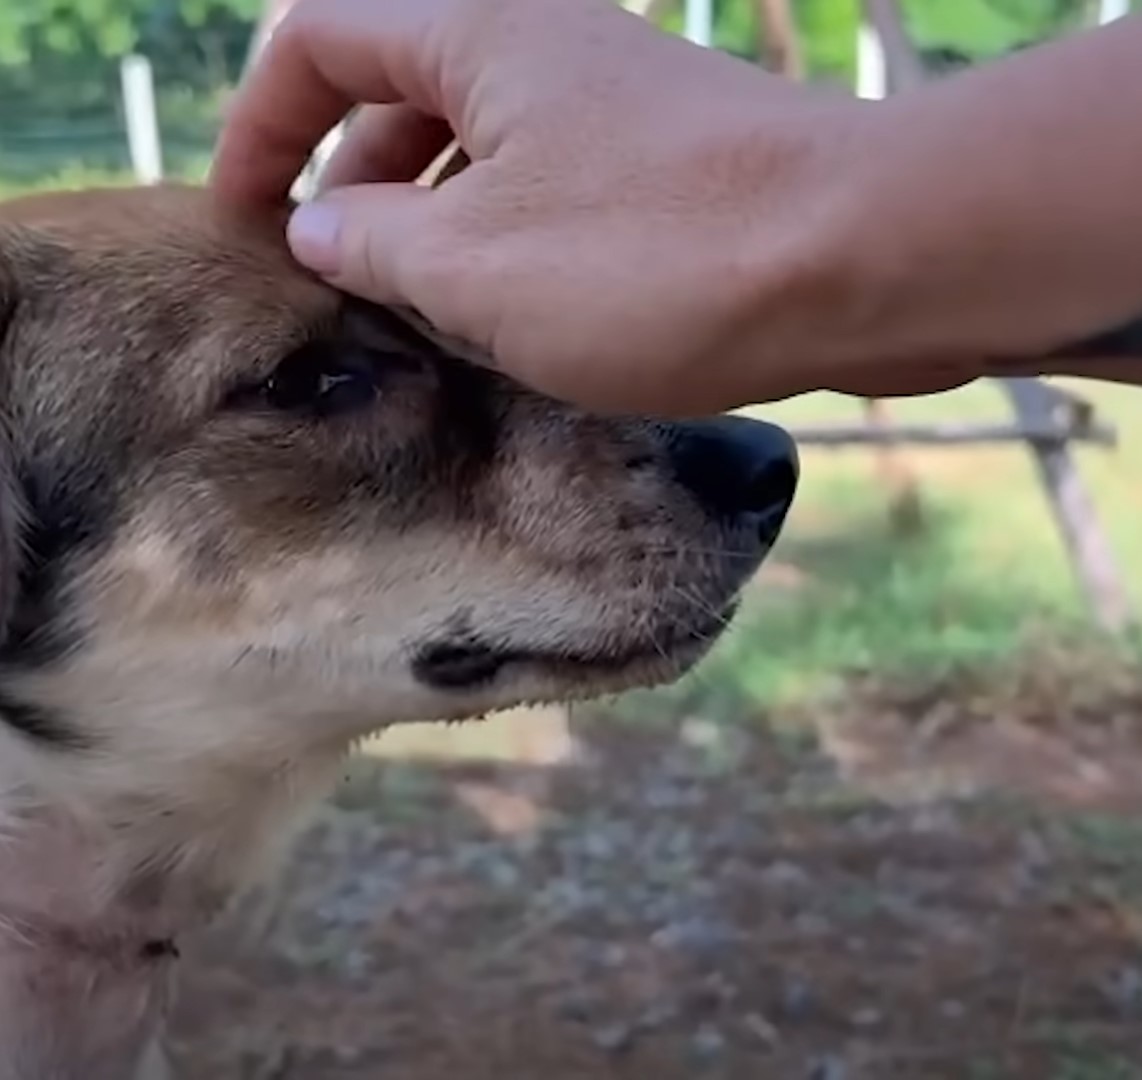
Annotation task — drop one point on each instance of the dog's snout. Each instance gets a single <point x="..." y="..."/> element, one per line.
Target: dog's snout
<point x="737" y="468"/>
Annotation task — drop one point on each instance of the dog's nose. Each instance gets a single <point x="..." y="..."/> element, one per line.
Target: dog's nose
<point x="737" y="468"/>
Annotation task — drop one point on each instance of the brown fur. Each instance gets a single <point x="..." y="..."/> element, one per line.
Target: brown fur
<point x="206" y="600"/>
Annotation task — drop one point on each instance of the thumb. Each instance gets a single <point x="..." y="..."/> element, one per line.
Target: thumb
<point x="359" y="238"/>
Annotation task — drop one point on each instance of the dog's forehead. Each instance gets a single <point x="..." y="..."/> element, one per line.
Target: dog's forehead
<point x="172" y="241"/>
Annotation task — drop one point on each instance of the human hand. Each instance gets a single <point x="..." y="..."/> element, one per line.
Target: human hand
<point x="646" y="224"/>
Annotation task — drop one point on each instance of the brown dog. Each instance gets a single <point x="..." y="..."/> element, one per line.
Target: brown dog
<point x="245" y="521"/>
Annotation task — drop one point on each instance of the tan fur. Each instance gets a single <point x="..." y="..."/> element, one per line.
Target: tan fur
<point x="248" y="589"/>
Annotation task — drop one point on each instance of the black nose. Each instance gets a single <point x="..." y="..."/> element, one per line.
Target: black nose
<point x="738" y="469"/>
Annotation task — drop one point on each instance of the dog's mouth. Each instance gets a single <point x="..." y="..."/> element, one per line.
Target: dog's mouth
<point x="457" y="666"/>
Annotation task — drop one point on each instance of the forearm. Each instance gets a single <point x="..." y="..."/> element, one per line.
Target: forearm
<point x="1000" y="214"/>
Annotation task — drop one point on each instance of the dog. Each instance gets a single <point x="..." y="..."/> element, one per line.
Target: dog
<point x="246" y="521"/>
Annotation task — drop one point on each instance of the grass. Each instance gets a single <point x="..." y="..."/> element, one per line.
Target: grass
<point x="1080" y="1057"/>
<point x="1077" y="1064"/>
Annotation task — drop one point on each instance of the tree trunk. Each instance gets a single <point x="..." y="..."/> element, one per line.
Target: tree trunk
<point x="779" y="44"/>
<point x="653" y="11"/>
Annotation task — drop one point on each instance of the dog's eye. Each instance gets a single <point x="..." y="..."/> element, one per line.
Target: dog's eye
<point x="306" y="380"/>
<point x="315" y="379"/>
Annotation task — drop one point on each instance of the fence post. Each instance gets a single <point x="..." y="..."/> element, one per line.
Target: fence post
<point x="871" y="73"/>
<point x="779" y="41"/>
<point x="1110" y="10"/>
<point x="700" y="21"/>
<point x="1073" y="507"/>
<point x="904" y="492"/>
<point x="143" y="136"/>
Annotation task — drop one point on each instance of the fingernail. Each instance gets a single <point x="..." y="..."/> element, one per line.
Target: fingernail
<point x="314" y="235"/>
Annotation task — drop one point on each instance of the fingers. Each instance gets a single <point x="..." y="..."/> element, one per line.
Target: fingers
<point x="361" y="239"/>
<point x="323" y="58"/>
<point x="387" y="144"/>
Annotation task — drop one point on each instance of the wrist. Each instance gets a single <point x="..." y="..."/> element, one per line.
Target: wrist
<point x="828" y="283"/>
<point x="993" y="214"/>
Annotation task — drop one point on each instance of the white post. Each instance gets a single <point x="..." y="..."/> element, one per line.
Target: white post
<point x="872" y="68"/>
<point x="1109" y="10"/>
<point x="143" y="137"/>
<point x="700" y="21"/>
<point x="326" y="147"/>
<point x="306" y="183"/>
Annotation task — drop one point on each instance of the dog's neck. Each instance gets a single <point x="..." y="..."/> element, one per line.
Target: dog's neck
<point x="84" y="973"/>
<point x="80" y="1008"/>
<point x="100" y="879"/>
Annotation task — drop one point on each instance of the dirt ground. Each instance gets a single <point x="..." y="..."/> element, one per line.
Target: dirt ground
<point x="943" y="883"/>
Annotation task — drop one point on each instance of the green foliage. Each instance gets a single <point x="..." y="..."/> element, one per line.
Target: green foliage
<point x="60" y="107"/>
<point x="106" y="28"/>
<point x="988" y="27"/>
<point x="828" y="29"/>
<point x="977" y="28"/>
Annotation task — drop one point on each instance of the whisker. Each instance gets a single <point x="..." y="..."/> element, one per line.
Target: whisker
<point x="694" y="603"/>
<point x="720" y="617"/>
<point x="703" y="680"/>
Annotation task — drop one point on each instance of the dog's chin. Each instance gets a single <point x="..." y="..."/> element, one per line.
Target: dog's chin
<point x="479" y="670"/>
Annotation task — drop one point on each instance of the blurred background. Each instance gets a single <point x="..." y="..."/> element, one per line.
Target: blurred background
<point x="890" y="829"/>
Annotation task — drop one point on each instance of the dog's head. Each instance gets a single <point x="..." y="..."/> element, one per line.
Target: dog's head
<point x="241" y="510"/>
